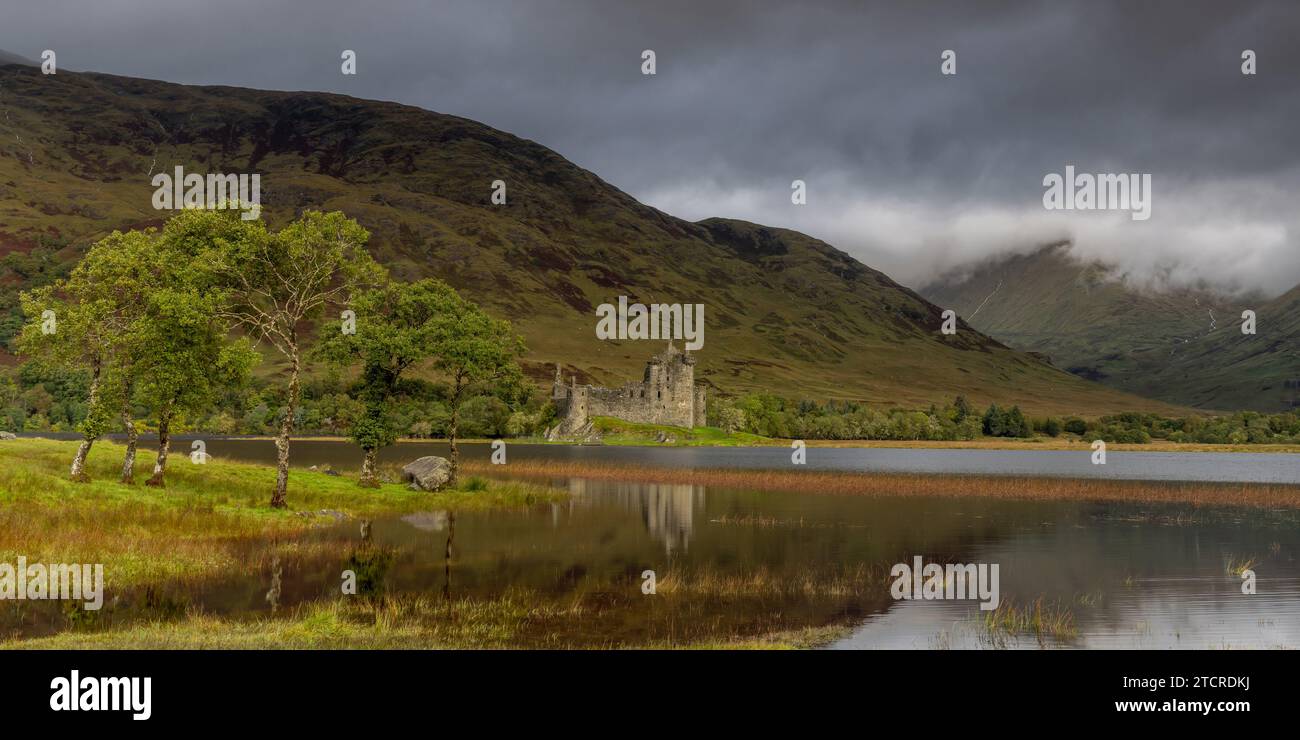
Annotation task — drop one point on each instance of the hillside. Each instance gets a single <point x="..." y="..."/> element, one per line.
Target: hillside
<point x="1226" y="369"/>
<point x="1183" y="346"/>
<point x="784" y="312"/>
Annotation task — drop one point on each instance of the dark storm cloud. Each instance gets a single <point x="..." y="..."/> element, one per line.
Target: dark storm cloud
<point x="911" y="170"/>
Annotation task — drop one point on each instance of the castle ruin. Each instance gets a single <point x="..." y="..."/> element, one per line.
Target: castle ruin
<point x="667" y="394"/>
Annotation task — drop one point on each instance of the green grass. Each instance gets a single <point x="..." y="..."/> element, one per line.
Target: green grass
<point x="1236" y="566"/>
<point x="202" y="521"/>
<point x="511" y="620"/>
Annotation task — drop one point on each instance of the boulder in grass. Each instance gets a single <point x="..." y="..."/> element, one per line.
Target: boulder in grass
<point x="8" y="435"/>
<point x="429" y="473"/>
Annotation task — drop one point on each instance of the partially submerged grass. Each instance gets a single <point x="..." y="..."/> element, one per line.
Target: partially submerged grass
<point x="690" y="612"/>
<point x="1271" y="495"/>
<point x="1037" y="618"/>
<point x="397" y="623"/>
<point x="847" y="582"/>
<point x="1236" y="566"/>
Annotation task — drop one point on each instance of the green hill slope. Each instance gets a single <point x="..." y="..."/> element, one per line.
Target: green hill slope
<point x="784" y="312"/>
<point x="1184" y="347"/>
<point x="1226" y="369"/>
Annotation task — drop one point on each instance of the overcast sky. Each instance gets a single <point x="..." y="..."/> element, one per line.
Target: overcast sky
<point x="912" y="171"/>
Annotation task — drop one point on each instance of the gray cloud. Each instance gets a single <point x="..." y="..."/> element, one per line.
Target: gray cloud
<point x="912" y="171"/>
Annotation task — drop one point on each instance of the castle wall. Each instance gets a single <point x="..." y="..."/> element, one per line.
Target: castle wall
<point x="644" y="403"/>
<point x="666" y="395"/>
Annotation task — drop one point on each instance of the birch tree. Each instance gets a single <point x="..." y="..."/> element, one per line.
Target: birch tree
<point x="277" y="283"/>
<point x="477" y="354"/>
<point x="70" y="324"/>
<point x="190" y="358"/>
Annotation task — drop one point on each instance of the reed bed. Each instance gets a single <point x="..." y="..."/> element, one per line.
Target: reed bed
<point x="1265" y="495"/>
<point x="1039" y="618"/>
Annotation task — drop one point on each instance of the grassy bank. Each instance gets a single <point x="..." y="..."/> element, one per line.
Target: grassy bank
<point x="201" y="523"/>
<point x="1267" y="495"/>
<point x="618" y="432"/>
<point x="165" y="550"/>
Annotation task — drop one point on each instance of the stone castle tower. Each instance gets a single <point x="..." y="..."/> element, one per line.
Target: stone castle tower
<point x="667" y="394"/>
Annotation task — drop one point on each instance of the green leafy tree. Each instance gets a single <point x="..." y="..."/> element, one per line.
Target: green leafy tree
<point x="479" y="356"/>
<point x="397" y="327"/>
<point x="277" y="283"/>
<point x="127" y="268"/>
<point x="188" y="359"/>
<point x="961" y="409"/>
<point x="85" y="322"/>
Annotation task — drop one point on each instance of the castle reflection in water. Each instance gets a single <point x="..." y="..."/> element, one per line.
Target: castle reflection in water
<point x="667" y="510"/>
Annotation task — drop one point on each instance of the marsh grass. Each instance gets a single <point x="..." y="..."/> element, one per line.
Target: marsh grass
<point x="205" y="521"/>
<point x="1039" y="618"/>
<point x="688" y="612"/>
<point x="901" y="484"/>
<point x="837" y="582"/>
<point x="1236" y="566"/>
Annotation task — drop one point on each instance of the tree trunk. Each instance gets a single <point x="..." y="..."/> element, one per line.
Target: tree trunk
<point x="451" y="442"/>
<point x="83" y="451"/>
<point x="79" y="461"/>
<point x="132" y="437"/>
<point x="164" y="444"/>
<point x="282" y="440"/>
<point x="369" y="478"/>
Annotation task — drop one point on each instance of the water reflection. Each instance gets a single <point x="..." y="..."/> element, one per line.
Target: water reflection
<point x="667" y="511"/>
<point x="1264" y="467"/>
<point x="1130" y="575"/>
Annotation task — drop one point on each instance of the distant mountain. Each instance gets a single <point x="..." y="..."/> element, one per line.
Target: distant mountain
<point x="11" y="58"/>
<point x="1180" y="346"/>
<point x="785" y="313"/>
<point x="1226" y="369"/>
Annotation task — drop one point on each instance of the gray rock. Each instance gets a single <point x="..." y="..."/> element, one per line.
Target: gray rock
<point x="8" y="435"/>
<point x="429" y="473"/>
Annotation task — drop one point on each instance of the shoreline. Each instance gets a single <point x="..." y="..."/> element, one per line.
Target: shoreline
<point x="1259" y="495"/>
<point x="988" y="443"/>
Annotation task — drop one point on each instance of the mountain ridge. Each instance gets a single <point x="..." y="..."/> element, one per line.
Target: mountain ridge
<point x="1174" y="345"/>
<point x="787" y="313"/>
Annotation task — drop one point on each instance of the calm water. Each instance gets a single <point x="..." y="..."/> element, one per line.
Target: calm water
<point x="1131" y="576"/>
<point x="1234" y="467"/>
